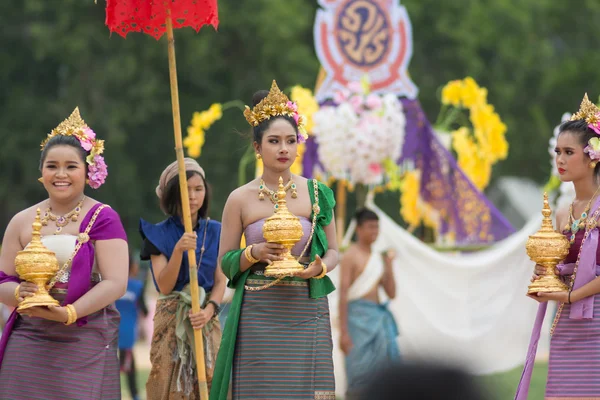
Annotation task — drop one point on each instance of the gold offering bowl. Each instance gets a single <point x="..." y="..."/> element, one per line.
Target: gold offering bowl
<point x="38" y="265"/>
<point x="284" y="228"/>
<point x="547" y="247"/>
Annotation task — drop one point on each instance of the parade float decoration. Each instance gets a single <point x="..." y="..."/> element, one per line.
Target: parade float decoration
<point x="373" y="38"/>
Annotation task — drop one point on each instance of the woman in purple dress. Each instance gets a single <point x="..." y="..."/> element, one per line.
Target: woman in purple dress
<point x="574" y="365"/>
<point x="67" y="351"/>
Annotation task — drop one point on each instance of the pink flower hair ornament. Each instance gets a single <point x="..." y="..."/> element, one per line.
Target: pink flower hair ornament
<point x="593" y="149"/>
<point x="76" y="126"/>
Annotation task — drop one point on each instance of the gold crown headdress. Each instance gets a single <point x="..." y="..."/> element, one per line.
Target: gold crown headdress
<point x="76" y="126"/>
<point x="276" y="103"/>
<point x="588" y="111"/>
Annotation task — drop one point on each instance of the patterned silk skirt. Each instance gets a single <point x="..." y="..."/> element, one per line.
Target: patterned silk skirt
<point x="49" y="360"/>
<point x="284" y="347"/>
<point x="166" y="380"/>
<point x="574" y="368"/>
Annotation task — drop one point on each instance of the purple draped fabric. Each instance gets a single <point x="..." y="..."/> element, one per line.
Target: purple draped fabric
<point x="107" y="226"/>
<point x="463" y="208"/>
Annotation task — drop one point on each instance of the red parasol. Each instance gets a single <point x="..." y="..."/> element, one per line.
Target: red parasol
<point x="150" y="16"/>
<point x="155" y="17"/>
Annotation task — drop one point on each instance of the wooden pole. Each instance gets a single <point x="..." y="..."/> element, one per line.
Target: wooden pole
<point x="185" y="207"/>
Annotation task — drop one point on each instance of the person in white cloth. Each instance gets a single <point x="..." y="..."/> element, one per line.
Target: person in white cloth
<point x="368" y="330"/>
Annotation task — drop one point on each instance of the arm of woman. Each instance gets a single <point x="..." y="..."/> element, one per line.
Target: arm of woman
<point x="10" y="246"/>
<point x="231" y="230"/>
<point x="166" y="270"/>
<point x="216" y="294"/>
<point x="218" y="289"/>
<point x="113" y="262"/>
<point x="331" y="256"/>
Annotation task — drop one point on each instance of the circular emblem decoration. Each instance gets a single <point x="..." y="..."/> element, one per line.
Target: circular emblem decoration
<point x="358" y="38"/>
<point x="363" y="33"/>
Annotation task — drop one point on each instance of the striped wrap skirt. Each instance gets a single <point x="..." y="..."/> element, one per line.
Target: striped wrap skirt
<point x="49" y="360"/>
<point x="284" y="347"/>
<point x="574" y="366"/>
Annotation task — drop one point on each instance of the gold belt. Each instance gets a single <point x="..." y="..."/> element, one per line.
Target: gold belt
<point x="94" y="278"/>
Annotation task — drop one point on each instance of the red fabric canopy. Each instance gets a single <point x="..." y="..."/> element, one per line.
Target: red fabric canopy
<point x="149" y="16"/>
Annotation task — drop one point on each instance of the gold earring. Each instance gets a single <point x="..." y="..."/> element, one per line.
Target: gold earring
<point x="41" y="180"/>
<point x="592" y="164"/>
<point x="87" y="181"/>
<point x="258" y="156"/>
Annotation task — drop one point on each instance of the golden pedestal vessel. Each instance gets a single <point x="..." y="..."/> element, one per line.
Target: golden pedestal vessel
<point x="547" y="247"/>
<point x="284" y="228"/>
<point x="38" y="265"/>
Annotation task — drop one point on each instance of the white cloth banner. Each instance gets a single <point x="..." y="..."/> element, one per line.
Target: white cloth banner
<point x="466" y="309"/>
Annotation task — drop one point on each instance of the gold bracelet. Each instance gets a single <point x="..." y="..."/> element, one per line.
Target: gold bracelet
<point x="323" y="273"/>
<point x="248" y="255"/>
<point x="71" y="314"/>
<point x="17" y="293"/>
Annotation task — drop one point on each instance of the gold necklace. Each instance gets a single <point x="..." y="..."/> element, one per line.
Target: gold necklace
<point x="263" y="189"/>
<point x="62" y="220"/>
<point x="574" y="225"/>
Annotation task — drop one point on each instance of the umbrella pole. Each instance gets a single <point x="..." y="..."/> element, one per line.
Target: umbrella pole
<point x="185" y="206"/>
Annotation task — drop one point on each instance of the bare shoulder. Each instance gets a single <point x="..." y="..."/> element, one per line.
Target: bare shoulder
<point x="300" y="180"/>
<point x="20" y="225"/>
<point x="238" y="198"/>
<point x="27" y="215"/>
<point x="238" y="195"/>
<point x="562" y="216"/>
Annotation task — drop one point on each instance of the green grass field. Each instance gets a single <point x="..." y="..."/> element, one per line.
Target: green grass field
<point x="502" y="386"/>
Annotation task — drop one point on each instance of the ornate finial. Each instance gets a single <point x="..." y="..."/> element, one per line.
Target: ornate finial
<point x="588" y="111"/>
<point x="37" y="228"/>
<point x="546" y="212"/>
<point x="281" y="193"/>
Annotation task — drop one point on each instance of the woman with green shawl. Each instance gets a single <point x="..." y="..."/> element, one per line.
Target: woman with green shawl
<point x="277" y="339"/>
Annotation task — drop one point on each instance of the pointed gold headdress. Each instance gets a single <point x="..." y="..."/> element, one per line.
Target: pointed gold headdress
<point x="275" y="104"/>
<point x="588" y="111"/>
<point x="76" y="126"/>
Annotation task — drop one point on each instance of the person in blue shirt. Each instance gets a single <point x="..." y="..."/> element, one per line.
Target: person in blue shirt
<point x="129" y="307"/>
<point x="173" y="375"/>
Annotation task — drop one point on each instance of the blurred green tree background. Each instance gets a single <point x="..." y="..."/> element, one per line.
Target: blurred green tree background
<point x="536" y="57"/>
